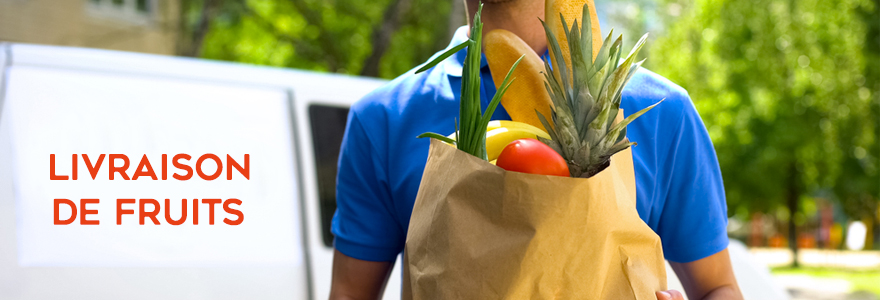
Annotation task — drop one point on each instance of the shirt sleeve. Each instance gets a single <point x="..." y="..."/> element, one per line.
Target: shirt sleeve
<point x="364" y="225"/>
<point x="693" y="224"/>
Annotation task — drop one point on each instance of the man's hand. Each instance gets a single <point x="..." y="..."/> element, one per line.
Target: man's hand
<point x="670" y="295"/>
<point x="355" y="279"/>
<point x="708" y="278"/>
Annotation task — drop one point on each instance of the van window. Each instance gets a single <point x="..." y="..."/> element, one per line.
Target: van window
<point x="328" y="126"/>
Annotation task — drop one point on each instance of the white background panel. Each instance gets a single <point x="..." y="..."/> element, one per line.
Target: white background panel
<point x="63" y="112"/>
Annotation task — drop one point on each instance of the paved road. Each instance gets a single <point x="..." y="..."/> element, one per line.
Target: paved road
<point x="797" y="294"/>
<point x="802" y="287"/>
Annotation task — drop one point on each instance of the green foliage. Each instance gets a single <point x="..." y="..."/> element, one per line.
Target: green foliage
<point x="782" y="88"/>
<point x="330" y="36"/>
<point x="859" y="186"/>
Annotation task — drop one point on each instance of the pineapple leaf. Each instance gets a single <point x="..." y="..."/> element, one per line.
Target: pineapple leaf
<point x="612" y="114"/>
<point x="561" y="69"/>
<point x="635" y="50"/>
<point x="586" y="95"/>
<point x="548" y="88"/>
<point x="587" y="32"/>
<point x="553" y="144"/>
<point x="565" y="25"/>
<point x="610" y="68"/>
<point x="594" y="113"/>
<point x="584" y="151"/>
<point x="623" y="72"/>
<point x="587" y="103"/>
<point x="602" y="58"/>
<point x="550" y="130"/>
<point x="621" y="136"/>
<point x="632" y="70"/>
<point x="617" y="148"/>
<point x="632" y="117"/>
<point x="575" y="57"/>
<point x="554" y="90"/>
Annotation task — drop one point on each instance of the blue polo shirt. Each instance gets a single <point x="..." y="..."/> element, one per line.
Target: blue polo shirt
<point x="679" y="194"/>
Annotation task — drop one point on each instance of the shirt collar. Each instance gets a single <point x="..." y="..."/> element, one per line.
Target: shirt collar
<point x="454" y="66"/>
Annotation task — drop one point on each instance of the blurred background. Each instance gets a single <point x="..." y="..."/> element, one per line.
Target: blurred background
<point x="789" y="91"/>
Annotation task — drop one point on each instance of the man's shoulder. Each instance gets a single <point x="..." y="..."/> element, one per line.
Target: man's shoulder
<point x="406" y="92"/>
<point x="647" y="88"/>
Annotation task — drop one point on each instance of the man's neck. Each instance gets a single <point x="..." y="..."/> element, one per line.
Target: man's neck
<point x="518" y="16"/>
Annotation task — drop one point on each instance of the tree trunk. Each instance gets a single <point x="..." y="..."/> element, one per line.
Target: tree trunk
<point x="182" y="32"/>
<point x="192" y="47"/>
<point x="457" y="18"/>
<point x="382" y="35"/>
<point x="869" y="235"/>
<point x="792" y="197"/>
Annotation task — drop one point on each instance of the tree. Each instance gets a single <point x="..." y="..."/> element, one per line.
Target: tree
<point x="779" y="84"/>
<point x="372" y="38"/>
<point x="859" y="187"/>
<point x="193" y="25"/>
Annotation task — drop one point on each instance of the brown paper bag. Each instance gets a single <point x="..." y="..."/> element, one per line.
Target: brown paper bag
<point x="480" y="232"/>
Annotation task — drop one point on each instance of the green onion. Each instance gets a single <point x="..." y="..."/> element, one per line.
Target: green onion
<point x="470" y="131"/>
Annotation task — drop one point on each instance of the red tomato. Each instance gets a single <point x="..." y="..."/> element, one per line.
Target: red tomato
<point x="532" y="156"/>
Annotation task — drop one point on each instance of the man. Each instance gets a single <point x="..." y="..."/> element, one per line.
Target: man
<point x="679" y="190"/>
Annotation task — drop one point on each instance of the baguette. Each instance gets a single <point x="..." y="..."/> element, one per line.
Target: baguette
<point x="527" y="93"/>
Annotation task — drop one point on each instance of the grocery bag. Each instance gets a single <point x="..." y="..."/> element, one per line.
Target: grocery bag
<point x="480" y="232"/>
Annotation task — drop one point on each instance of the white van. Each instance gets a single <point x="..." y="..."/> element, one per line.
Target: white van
<point x="61" y="100"/>
<point x="65" y="101"/>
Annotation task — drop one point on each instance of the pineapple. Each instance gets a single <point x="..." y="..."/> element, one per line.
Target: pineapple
<point x="586" y="97"/>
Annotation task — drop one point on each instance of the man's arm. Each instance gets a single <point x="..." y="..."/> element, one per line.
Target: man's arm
<point x="708" y="278"/>
<point x="364" y="227"/>
<point x="355" y="279"/>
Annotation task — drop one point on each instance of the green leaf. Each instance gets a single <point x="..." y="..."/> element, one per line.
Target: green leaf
<point x="624" y="71"/>
<point x="601" y="59"/>
<point x="438" y="136"/>
<point x="587" y="31"/>
<point x="632" y="117"/>
<point x="621" y="136"/>
<point x="617" y="148"/>
<point x="470" y="132"/>
<point x="444" y="56"/>
<point x="550" y="130"/>
<point x="487" y="116"/>
<point x="558" y="60"/>
<point x="469" y="106"/>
